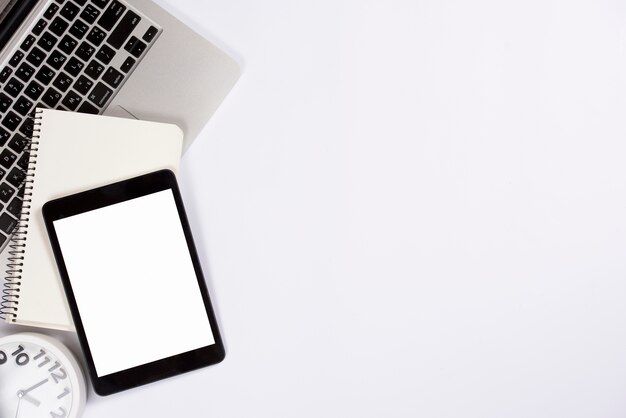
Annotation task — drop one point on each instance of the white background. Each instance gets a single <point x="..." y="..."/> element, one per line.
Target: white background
<point x="410" y="208"/>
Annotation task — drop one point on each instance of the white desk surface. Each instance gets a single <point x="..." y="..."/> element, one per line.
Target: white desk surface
<point x="409" y="208"/>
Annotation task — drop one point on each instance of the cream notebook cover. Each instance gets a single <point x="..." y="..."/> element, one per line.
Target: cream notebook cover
<point x="73" y="152"/>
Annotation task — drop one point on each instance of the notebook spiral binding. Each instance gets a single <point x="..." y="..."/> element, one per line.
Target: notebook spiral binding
<point x="9" y="303"/>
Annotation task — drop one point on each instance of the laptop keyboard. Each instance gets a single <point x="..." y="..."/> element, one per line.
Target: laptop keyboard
<point x="76" y="57"/>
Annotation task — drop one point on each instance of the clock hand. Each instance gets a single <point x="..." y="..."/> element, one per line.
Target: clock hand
<point x="23" y="394"/>
<point x="33" y="387"/>
<point x="28" y="398"/>
<point x="17" y="411"/>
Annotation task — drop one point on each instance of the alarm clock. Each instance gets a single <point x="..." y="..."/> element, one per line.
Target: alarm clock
<point x="39" y="377"/>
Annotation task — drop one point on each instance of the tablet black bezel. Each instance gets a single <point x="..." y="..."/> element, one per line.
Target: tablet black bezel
<point x="110" y="195"/>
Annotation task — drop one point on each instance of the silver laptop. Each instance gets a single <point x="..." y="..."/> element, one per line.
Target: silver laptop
<point x="114" y="57"/>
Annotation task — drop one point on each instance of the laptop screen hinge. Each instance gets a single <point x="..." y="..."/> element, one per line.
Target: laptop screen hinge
<point x="12" y="16"/>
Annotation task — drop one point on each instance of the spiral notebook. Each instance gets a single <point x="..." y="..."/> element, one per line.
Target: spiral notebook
<point x="72" y="152"/>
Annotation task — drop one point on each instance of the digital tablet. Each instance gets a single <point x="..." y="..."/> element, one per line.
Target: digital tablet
<point x="133" y="282"/>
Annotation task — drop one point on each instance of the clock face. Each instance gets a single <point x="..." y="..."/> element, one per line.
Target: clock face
<point x="36" y="380"/>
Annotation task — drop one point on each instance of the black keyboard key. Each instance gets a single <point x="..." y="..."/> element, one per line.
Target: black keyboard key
<point x="17" y="57"/>
<point x="100" y="3"/>
<point x="58" y="26"/>
<point x="27" y="42"/>
<point x="123" y="29"/>
<point x="128" y="64"/>
<point x="36" y="56"/>
<point x="7" y="223"/>
<point x="69" y="11"/>
<point x="51" y="11"/>
<point x="15" y="207"/>
<point x="51" y="97"/>
<point x="135" y="46"/>
<point x="71" y="100"/>
<point x="62" y="82"/>
<point x="96" y="36"/>
<point x="73" y="66"/>
<point x="5" y="102"/>
<point x="23" y="161"/>
<point x="4" y="137"/>
<point x="4" y="75"/>
<point x="85" y="51"/>
<point x="56" y="60"/>
<point x="7" y="158"/>
<point x="39" y="27"/>
<point x="112" y="77"/>
<point x="105" y="54"/>
<point x="47" y="41"/>
<point x="150" y="34"/>
<point x="112" y="15"/>
<point x="94" y="69"/>
<point x="67" y="44"/>
<point x="79" y="29"/>
<point x="11" y="120"/>
<point x="6" y="191"/>
<point x="23" y="106"/>
<point x="16" y="177"/>
<point x="45" y="74"/>
<point x="83" y="85"/>
<point x="80" y="2"/>
<point x="100" y="95"/>
<point x="18" y="143"/>
<point x="27" y="127"/>
<point x="90" y="14"/>
<point x="13" y="87"/>
<point x="25" y="72"/>
<point x="34" y="90"/>
<point x="87" y="107"/>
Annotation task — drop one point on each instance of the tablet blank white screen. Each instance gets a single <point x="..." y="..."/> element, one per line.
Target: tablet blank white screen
<point x="134" y="282"/>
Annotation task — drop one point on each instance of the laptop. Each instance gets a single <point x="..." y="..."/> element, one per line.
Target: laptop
<point x="114" y="57"/>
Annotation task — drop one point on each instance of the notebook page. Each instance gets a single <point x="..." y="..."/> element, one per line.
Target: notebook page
<point x="78" y="152"/>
